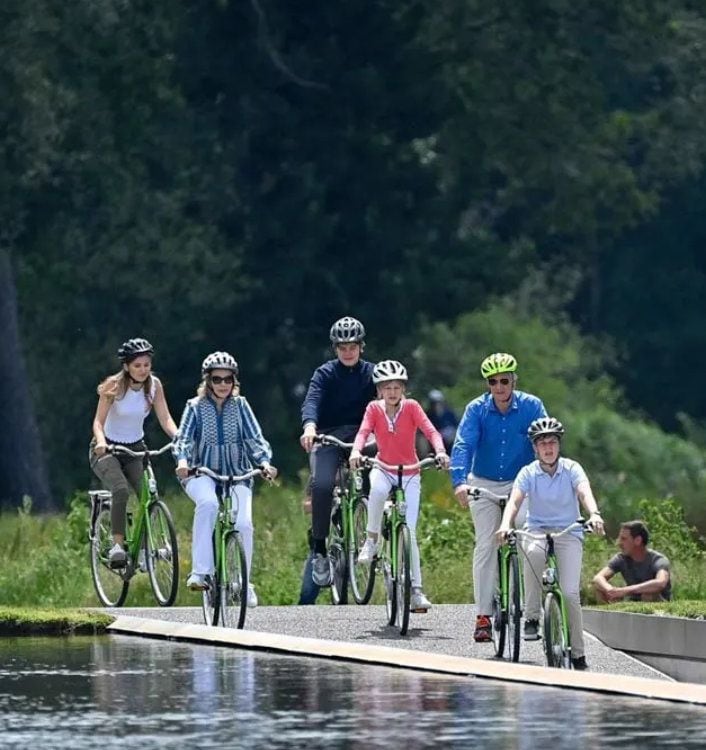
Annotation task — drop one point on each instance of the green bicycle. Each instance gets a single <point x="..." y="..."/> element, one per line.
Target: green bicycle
<point x="395" y="557"/>
<point x="150" y="540"/>
<point x="226" y="598"/>
<point x="349" y="521"/>
<point x="556" y="633"/>
<point x="506" y="616"/>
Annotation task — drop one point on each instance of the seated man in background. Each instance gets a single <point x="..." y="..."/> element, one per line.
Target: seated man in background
<point x="645" y="571"/>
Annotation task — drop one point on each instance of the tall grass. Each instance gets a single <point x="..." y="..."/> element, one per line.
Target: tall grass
<point x="44" y="560"/>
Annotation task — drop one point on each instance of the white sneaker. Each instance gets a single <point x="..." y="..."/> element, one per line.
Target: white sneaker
<point x="117" y="557"/>
<point x="252" y="597"/>
<point x="419" y="602"/>
<point x="197" y="582"/>
<point x="141" y="562"/>
<point x="368" y="552"/>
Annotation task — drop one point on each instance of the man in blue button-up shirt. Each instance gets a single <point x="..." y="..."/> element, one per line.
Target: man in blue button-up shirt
<point x="490" y="448"/>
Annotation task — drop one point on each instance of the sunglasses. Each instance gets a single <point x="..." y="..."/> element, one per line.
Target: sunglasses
<point x="217" y="379"/>
<point x="495" y="381"/>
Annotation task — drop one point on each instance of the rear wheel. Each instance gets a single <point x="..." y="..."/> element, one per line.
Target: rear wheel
<point x="161" y="554"/>
<point x="514" y="613"/>
<point x="556" y="646"/>
<point x="234" y="588"/>
<point x="362" y="576"/>
<point x="404" y="582"/>
<point x="110" y="584"/>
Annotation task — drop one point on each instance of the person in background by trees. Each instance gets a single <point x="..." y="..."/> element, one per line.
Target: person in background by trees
<point x="334" y="404"/>
<point x="219" y="430"/>
<point x="645" y="571"/>
<point x="442" y="416"/>
<point x="124" y="401"/>
<point x="491" y="446"/>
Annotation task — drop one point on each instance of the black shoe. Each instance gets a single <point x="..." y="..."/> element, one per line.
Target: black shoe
<point x="531" y="630"/>
<point x="579" y="663"/>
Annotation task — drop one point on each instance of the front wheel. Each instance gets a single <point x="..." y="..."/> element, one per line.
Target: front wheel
<point x="404" y="582"/>
<point x="110" y="584"/>
<point x="514" y="609"/>
<point x="498" y="616"/>
<point x="211" y="597"/>
<point x="339" y="559"/>
<point x="234" y="586"/>
<point x="161" y="554"/>
<point x="362" y="576"/>
<point x="556" y="643"/>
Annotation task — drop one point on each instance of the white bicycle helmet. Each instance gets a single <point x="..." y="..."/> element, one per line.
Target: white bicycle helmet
<point x="545" y="426"/>
<point x="219" y="361"/>
<point x="389" y="369"/>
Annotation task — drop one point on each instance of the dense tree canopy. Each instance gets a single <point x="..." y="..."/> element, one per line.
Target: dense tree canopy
<point x="237" y="175"/>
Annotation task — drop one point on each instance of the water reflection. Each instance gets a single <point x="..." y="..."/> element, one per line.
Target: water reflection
<point x="107" y="692"/>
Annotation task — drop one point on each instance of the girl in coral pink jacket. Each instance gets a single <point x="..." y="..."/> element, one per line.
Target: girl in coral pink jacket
<point x="394" y="420"/>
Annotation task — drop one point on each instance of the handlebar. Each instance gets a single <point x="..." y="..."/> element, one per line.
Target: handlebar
<point x="117" y="448"/>
<point x="331" y="440"/>
<point x="228" y="478"/>
<point x="425" y="463"/>
<point x="582" y="524"/>
<point x="476" y="492"/>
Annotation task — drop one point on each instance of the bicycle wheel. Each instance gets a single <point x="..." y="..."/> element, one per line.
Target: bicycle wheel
<point x="110" y="584"/>
<point x="161" y="554"/>
<point x="556" y="646"/>
<point x="234" y="586"/>
<point x="498" y="617"/>
<point x="388" y="579"/>
<point x="339" y="560"/>
<point x="362" y="576"/>
<point x="404" y="582"/>
<point x="211" y="597"/>
<point x="514" y="613"/>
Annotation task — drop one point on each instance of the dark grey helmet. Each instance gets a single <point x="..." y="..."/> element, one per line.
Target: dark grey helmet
<point x="347" y="331"/>
<point x="134" y="348"/>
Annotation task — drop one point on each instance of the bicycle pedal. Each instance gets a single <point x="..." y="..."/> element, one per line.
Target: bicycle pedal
<point x="419" y="611"/>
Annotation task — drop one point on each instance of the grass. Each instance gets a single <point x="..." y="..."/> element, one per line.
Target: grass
<point x="694" y="609"/>
<point x="44" y="560"/>
<point x="34" y="621"/>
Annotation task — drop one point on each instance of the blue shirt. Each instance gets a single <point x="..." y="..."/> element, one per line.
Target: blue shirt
<point x="338" y="394"/>
<point x="491" y="444"/>
<point x="552" y="501"/>
<point x="228" y="441"/>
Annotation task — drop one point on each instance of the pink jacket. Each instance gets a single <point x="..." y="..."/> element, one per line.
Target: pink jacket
<point x="396" y="445"/>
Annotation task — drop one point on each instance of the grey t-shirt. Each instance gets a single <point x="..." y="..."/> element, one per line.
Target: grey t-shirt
<point x="638" y="572"/>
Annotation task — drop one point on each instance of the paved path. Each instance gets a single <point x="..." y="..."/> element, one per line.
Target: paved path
<point x="445" y="629"/>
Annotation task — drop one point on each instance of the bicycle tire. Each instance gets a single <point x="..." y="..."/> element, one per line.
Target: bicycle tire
<point x="339" y="560"/>
<point x="498" y="615"/>
<point x="162" y="554"/>
<point x="404" y="581"/>
<point x="556" y="648"/>
<point x="514" y="612"/>
<point x="211" y="597"/>
<point x="389" y="582"/>
<point x="234" y="587"/>
<point x="362" y="576"/>
<point x="110" y="584"/>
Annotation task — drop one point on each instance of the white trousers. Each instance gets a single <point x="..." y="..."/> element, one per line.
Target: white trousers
<point x="569" y="555"/>
<point x="202" y="490"/>
<point x="381" y="482"/>
<point x="486" y="516"/>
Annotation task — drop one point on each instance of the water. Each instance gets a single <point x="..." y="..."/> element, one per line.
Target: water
<point x="117" y="691"/>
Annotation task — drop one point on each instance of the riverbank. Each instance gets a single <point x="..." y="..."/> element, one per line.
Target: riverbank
<point x="21" y="621"/>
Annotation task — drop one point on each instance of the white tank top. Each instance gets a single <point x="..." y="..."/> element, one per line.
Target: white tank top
<point x="126" y="416"/>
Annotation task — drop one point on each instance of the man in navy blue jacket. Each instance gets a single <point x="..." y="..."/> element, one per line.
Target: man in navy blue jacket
<point x="334" y="404"/>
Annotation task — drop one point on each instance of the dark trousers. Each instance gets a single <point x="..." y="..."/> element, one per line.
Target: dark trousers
<point x="117" y="474"/>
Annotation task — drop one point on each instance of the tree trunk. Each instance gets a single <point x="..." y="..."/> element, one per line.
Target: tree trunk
<point x="22" y="465"/>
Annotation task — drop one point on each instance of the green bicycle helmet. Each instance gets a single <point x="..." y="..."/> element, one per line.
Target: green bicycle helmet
<point x="497" y="363"/>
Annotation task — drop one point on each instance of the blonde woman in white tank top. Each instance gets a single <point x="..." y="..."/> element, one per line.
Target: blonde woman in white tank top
<point x="124" y="401"/>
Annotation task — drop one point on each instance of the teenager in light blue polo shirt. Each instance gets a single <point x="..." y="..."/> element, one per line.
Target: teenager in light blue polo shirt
<point x="554" y="486"/>
<point x="491" y="446"/>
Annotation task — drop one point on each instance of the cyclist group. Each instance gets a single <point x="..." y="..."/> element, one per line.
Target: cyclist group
<point x="505" y="443"/>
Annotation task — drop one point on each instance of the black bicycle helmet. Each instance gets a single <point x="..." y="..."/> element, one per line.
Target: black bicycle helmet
<point x="134" y="348"/>
<point x="347" y="331"/>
